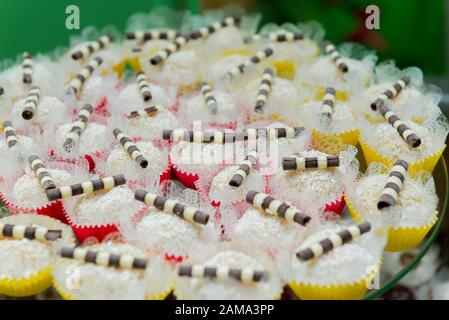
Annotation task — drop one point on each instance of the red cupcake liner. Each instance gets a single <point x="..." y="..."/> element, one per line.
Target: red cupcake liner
<point x="187" y="179"/>
<point x="336" y="206"/>
<point x="102" y="108"/>
<point x="87" y="157"/>
<point x="54" y="209"/>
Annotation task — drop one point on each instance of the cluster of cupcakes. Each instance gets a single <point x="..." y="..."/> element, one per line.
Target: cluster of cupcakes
<point x="260" y="128"/>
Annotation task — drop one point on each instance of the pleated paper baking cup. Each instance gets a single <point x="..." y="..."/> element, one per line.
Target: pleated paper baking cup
<point x="187" y="179"/>
<point x="401" y="238"/>
<point x="415" y="169"/>
<point x="27" y="286"/>
<point x="347" y="137"/>
<point x="335" y="206"/>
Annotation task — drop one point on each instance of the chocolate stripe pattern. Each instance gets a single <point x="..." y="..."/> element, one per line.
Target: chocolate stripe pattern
<point x="102" y="258"/>
<point x="244" y="169"/>
<point x="257" y="58"/>
<point x="283" y="36"/>
<point x="327" y="107"/>
<point x="130" y="148"/>
<point x="395" y="181"/>
<point x="330" y="49"/>
<point x="336" y="240"/>
<point x="276" y="207"/>
<point x="91" y="47"/>
<point x="143" y="36"/>
<point x="41" y="172"/>
<point x="163" y="54"/>
<point x="31" y="102"/>
<point x="404" y="131"/>
<point x="78" y="127"/>
<point x="208" y="97"/>
<point x="220" y="137"/>
<point x="87" y="187"/>
<point x="264" y="90"/>
<point x="17" y="231"/>
<point x="144" y="86"/>
<point x="2" y="91"/>
<point x="149" y="111"/>
<point x="246" y="275"/>
<point x="77" y="83"/>
<point x="172" y="206"/>
<point x="10" y="134"/>
<point x="27" y="68"/>
<point x="205" y="32"/>
<point x="301" y="163"/>
<point x="391" y="93"/>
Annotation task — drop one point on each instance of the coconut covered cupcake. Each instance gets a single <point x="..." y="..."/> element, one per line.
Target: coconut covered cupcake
<point x="181" y="70"/>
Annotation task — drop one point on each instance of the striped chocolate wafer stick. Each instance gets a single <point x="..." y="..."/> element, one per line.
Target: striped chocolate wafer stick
<point x="391" y="93"/>
<point x="103" y="258"/>
<point x="163" y="54"/>
<point x="259" y="56"/>
<point x="230" y="137"/>
<point x="144" y="86"/>
<point x="205" y="32"/>
<point x="130" y="147"/>
<point x="208" y="97"/>
<point x="404" y="131"/>
<point x="31" y="102"/>
<point x="172" y="206"/>
<point x="143" y="36"/>
<point x="336" y="240"/>
<point x="91" y="47"/>
<point x="10" y="134"/>
<point x="301" y="163"/>
<point x="264" y="90"/>
<point x="78" y="127"/>
<point x="41" y="172"/>
<point x="395" y="181"/>
<point x="282" y="36"/>
<point x="244" y="169"/>
<point x="335" y="55"/>
<point x="77" y="83"/>
<point x="27" y="68"/>
<point x="245" y="275"/>
<point x="2" y="91"/>
<point x="276" y="207"/>
<point x="327" y="107"/>
<point x="86" y="187"/>
<point x="18" y="231"/>
<point x="149" y="111"/>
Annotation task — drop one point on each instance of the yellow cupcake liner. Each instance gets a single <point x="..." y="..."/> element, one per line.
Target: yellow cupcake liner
<point x="415" y="169"/>
<point x="27" y="286"/>
<point x="402" y="238"/>
<point x="133" y="62"/>
<point x="349" y="291"/>
<point x="338" y="140"/>
<point x="285" y="69"/>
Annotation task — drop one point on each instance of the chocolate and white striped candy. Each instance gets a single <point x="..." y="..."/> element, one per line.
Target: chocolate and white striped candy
<point x="18" y="231"/>
<point x="86" y="187"/>
<point x="259" y="56"/>
<point x="208" y="97"/>
<point x="130" y="147"/>
<point x="31" y="102"/>
<point x="301" y="163"/>
<point x="327" y="107"/>
<point x="172" y="206"/>
<point x="276" y="207"/>
<point x="264" y="90"/>
<point x="244" y="169"/>
<point x="144" y="86"/>
<point x="336" y="240"/>
<point x="335" y="55"/>
<point x="282" y="36"/>
<point x="143" y="36"/>
<point x="163" y="54"/>
<point x="149" y="111"/>
<point x="10" y="134"/>
<point x="391" y="93"/>
<point x="404" y="131"/>
<point x="41" y="172"/>
<point x="78" y="127"/>
<point x="91" y="47"/>
<point x="395" y="181"/>
<point x="77" y="83"/>
<point x="27" y="68"/>
<point x="103" y="258"/>
<point x="205" y="32"/>
<point x="245" y="275"/>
